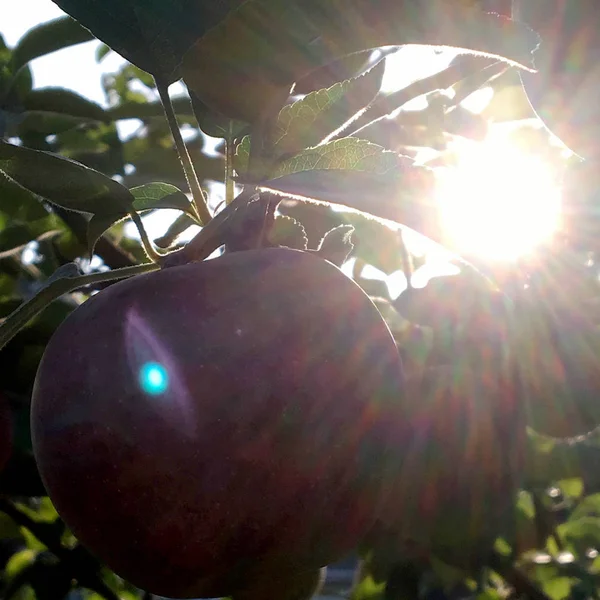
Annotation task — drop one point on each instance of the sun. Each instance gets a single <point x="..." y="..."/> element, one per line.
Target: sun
<point x="497" y="201"/>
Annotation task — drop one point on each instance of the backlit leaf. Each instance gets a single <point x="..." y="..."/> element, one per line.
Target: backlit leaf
<point x="64" y="182"/>
<point x="307" y="121"/>
<point x="264" y="46"/>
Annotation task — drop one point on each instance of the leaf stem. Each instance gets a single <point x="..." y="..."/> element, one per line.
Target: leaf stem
<point x="198" y="197"/>
<point x="151" y="251"/>
<point x="32" y="307"/>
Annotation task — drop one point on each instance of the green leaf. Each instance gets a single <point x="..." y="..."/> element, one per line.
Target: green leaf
<point x="572" y="487"/>
<point x="96" y="227"/>
<point x="48" y="37"/>
<point x="376" y="243"/>
<point x="242" y="155"/>
<point x="264" y="46"/>
<point x="18" y="202"/>
<point x="19" y="561"/>
<point x="59" y="100"/>
<point x="450" y="300"/>
<point x="161" y="195"/>
<point x="152" y="35"/>
<point x="146" y="197"/>
<point x="558" y="588"/>
<point x="403" y="194"/>
<point x="289" y="232"/>
<point x="337" y="245"/>
<point x="347" y="154"/>
<point x="581" y="534"/>
<point x="102" y="52"/>
<point x="309" y="120"/>
<point x="588" y="507"/>
<point x="48" y="123"/>
<point x="214" y="124"/>
<point x="367" y="589"/>
<point x="64" y="182"/>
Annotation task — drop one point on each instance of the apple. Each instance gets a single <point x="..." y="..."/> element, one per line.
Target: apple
<point x="201" y="426"/>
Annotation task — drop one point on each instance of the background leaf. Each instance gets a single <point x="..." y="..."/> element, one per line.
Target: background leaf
<point x="48" y="37"/>
<point x="309" y="120"/>
<point x="59" y="100"/>
<point x="64" y="182"/>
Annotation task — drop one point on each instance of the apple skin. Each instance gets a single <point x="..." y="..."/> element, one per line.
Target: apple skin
<point x="564" y="91"/>
<point x="464" y="467"/>
<point x="6" y="431"/>
<point x="269" y="450"/>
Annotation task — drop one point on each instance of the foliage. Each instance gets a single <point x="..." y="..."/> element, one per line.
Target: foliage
<point x="326" y="172"/>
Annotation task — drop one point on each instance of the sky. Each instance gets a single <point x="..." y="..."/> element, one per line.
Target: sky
<point x="82" y="74"/>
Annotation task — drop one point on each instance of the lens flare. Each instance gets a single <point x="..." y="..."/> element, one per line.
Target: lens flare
<point x="154" y="378"/>
<point x="498" y="201"/>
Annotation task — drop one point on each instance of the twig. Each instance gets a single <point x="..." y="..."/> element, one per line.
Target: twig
<point x="198" y="197"/>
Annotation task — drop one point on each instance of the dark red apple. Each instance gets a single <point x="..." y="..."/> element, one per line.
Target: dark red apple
<point x="564" y="92"/>
<point x="210" y="424"/>
<point x="6" y="431"/>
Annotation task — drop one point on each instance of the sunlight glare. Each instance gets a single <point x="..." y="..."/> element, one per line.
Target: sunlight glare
<point x="496" y="200"/>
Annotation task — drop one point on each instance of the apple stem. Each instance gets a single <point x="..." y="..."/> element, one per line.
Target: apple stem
<point x="199" y="200"/>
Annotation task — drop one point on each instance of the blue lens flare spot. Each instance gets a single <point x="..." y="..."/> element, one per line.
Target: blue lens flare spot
<point x="154" y="378"/>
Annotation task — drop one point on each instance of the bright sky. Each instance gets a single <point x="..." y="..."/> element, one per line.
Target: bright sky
<point x="82" y="74"/>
